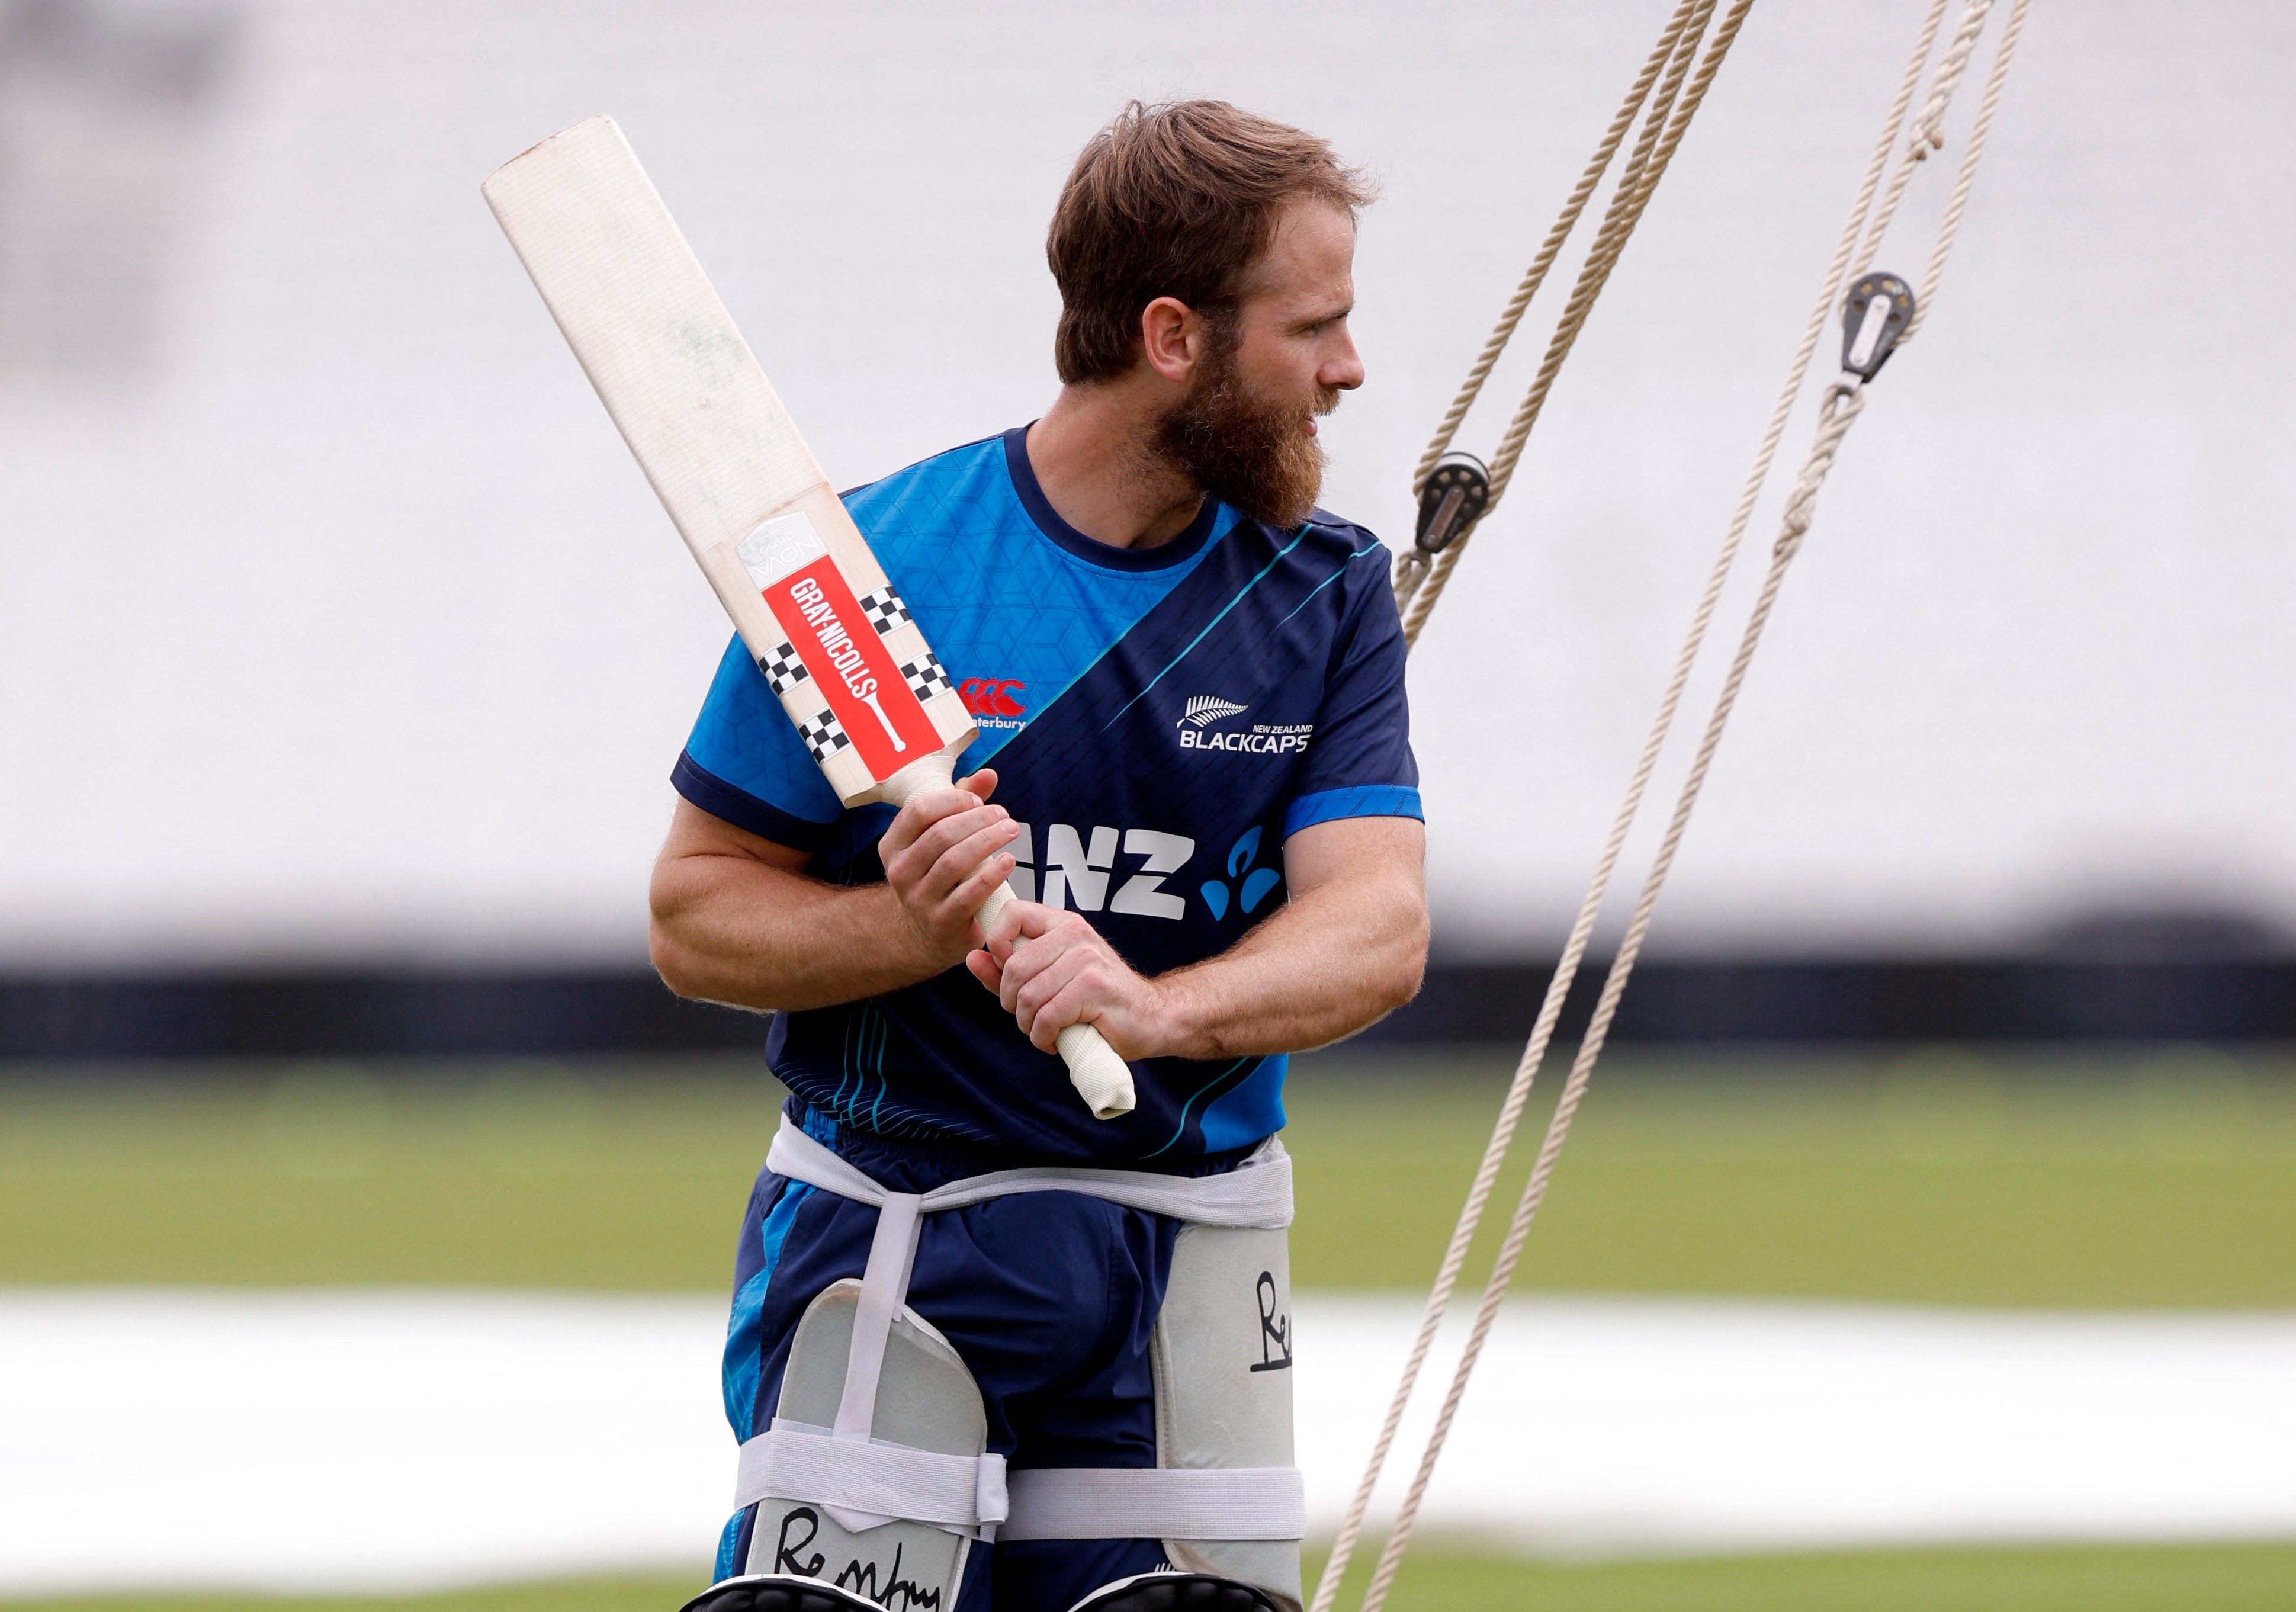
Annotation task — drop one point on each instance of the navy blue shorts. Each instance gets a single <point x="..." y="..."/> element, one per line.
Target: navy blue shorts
<point x="1050" y="1298"/>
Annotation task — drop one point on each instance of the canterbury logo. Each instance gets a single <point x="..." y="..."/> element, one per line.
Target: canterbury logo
<point x="1205" y="710"/>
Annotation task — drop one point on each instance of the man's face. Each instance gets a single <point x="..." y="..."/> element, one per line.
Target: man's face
<point x="1246" y="430"/>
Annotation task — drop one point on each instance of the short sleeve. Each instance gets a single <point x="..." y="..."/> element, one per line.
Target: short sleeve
<point x="745" y="763"/>
<point x="1359" y="761"/>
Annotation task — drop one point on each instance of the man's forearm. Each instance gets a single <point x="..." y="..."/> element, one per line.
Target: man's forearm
<point x="738" y="931"/>
<point x="1330" y="963"/>
<point x="1347" y="948"/>
<point x="735" y="921"/>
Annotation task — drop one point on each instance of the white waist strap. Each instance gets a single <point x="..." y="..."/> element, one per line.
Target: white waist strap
<point x="965" y="1493"/>
<point x="1257" y="1192"/>
<point x="1155" y="1502"/>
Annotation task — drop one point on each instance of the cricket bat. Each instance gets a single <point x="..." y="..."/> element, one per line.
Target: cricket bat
<point x="814" y="608"/>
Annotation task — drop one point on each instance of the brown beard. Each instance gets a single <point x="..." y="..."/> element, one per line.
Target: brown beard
<point x="1243" y="449"/>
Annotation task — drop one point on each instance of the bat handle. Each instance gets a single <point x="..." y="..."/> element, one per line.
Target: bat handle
<point x="1102" y="1078"/>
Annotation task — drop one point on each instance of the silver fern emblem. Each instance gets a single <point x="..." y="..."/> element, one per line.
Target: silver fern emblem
<point x="1205" y="710"/>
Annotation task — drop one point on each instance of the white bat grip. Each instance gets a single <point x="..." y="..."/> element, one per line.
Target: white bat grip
<point x="1102" y="1078"/>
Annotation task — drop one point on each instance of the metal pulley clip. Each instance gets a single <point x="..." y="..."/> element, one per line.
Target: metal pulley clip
<point x="1880" y="308"/>
<point x="1458" y="491"/>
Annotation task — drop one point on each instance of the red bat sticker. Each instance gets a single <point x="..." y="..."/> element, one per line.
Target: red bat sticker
<point x="843" y="654"/>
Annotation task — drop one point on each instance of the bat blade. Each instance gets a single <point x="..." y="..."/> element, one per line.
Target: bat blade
<point x="811" y="603"/>
<point x="847" y="661"/>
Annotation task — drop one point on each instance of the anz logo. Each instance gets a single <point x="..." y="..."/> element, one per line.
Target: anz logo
<point x="1078" y="869"/>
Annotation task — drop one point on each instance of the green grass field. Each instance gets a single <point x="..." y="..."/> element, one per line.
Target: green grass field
<point x="2147" y="1181"/>
<point x="2226" y="1578"/>
<point x="1941" y="1177"/>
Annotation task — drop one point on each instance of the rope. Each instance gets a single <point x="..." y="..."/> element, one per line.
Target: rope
<point x="1536" y="274"/>
<point x="1662" y="133"/>
<point x="1666" y="52"/>
<point x="1926" y="138"/>
<point x="1929" y="130"/>
<point x="1677" y="42"/>
<point x="1840" y="409"/>
<point x="1949" y="225"/>
<point x="1412" y="565"/>
<point x="1603" y="255"/>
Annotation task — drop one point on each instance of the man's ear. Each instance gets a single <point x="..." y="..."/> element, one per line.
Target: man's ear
<point x="1171" y="336"/>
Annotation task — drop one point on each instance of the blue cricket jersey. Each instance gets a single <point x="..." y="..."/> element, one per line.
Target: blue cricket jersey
<point x="1161" y="720"/>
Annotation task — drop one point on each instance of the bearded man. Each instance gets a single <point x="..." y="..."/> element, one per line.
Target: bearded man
<point x="1194" y="772"/>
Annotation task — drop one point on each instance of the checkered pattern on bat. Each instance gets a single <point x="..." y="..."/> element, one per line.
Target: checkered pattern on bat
<point x="824" y="735"/>
<point x="925" y="677"/>
<point x="783" y="668"/>
<point x="884" y="610"/>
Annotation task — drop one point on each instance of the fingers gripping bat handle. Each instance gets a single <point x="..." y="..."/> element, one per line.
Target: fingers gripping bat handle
<point x="1100" y="1077"/>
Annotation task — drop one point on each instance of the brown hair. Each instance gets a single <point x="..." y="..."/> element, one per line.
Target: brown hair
<point x="1177" y="199"/>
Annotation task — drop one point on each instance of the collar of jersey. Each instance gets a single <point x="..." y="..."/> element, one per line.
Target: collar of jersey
<point x="1091" y="549"/>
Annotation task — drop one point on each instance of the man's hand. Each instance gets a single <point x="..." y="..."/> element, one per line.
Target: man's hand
<point x="943" y="855"/>
<point x="1347" y="946"/>
<point x="1050" y="970"/>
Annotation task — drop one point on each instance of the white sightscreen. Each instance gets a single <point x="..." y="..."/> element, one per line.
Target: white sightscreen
<point x="334" y="619"/>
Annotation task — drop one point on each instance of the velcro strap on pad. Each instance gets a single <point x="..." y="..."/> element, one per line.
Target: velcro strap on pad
<point x="1156" y="1502"/>
<point x="964" y="1492"/>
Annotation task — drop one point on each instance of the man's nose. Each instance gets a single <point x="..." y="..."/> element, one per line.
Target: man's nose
<point x="1344" y="371"/>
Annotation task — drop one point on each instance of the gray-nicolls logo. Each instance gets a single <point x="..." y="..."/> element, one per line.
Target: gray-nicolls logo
<point x="1202" y="710"/>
